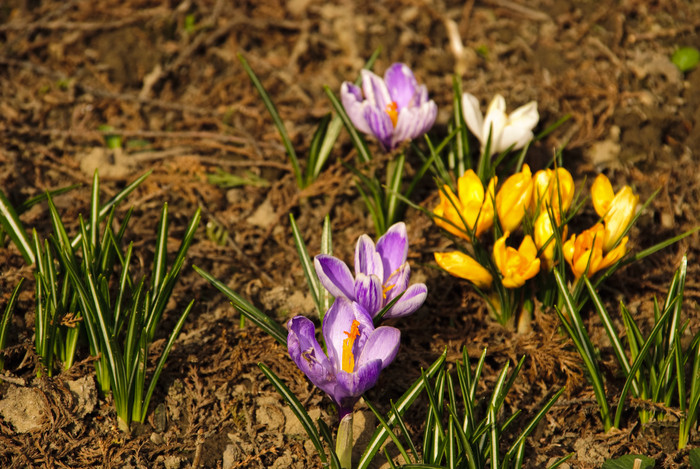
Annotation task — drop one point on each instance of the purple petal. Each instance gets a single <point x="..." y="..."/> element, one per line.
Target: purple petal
<point x="368" y="292"/>
<point x="414" y="122"/>
<point x="354" y="105"/>
<point x="402" y="85"/>
<point x="337" y="323"/>
<point x="421" y="95"/>
<point x="335" y="276"/>
<point x="308" y="354"/>
<point x="351" y="386"/>
<point x="397" y="282"/>
<point x="410" y="301"/>
<point x="380" y="125"/>
<point x="375" y="90"/>
<point x="368" y="260"/>
<point x="382" y="344"/>
<point x="393" y="248"/>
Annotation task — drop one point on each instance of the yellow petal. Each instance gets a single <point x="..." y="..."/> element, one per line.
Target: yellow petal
<point x="470" y="188"/>
<point x="463" y="266"/>
<point x="602" y="194"/>
<point x="514" y="198"/>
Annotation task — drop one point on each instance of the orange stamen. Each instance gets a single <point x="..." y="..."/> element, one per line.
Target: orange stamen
<point x="348" y="356"/>
<point x="392" y="110"/>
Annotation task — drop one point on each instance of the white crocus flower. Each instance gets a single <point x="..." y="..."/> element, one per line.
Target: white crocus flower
<point x="506" y="130"/>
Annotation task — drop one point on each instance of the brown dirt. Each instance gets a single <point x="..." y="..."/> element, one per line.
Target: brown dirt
<point x="186" y="108"/>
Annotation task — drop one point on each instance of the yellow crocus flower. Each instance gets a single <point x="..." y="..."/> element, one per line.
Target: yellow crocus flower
<point x="544" y="232"/>
<point x="514" y="198"/>
<point x="617" y="210"/>
<point x="585" y="253"/>
<point x="552" y="187"/>
<point x="472" y="206"/>
<point x="463" y="266"/>
<point x="516" y="265"/>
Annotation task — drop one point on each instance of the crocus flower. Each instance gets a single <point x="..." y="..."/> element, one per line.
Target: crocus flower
<point x="506" y="130"/>
<point x="357" y="352"/>
<point x="514" y="198"/>
<point x="381" y="274"/>
<point x="585" y="253"/>
<point x="473" y="206"/>
<point x="617" y="210"/>
<point x="552" y="188"/>
<point x="394" y="109"/>
<point x="516" y="265"/>
<point x="544" y="236"/>
<point x="464" y="266"/>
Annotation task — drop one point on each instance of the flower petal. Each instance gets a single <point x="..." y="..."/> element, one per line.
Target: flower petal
<point x="473" y="116"/>
<point x="402" y="85"/>
<point x="337" y="323"/>
<point x="382" y="344"/>
<point x="308" y="354"/>
<point x="353" y="103"/>
<point x="525" y="116"/>
<point x="380" y="125"/>
<point x="376" y="92"/>
<point x="494" y="123"/>
<point x="368" y="292"/>
<point x="335" y="276"/>
<point x="412" y="299"/>
<point x="397" y="282"/>
<point x="368" y="260"/>
<point x="350" y="386"/>
<point x="393" y="248"/>
<point x="464" y="266"/>
<point x="514" y="135"/>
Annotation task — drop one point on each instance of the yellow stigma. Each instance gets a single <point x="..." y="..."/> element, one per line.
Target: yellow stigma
<point x="348" y="357"/>
<point x="386" y="289"/>
<point x="392" y="110"/>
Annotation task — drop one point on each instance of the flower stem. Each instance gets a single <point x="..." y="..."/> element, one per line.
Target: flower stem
<point x="343" y="441"/>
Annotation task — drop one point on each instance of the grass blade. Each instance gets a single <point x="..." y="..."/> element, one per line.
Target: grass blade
<point x="298" y="410"/>
<point x="356" y="138"/>
<point x="638" y="363"/>
<point x="276" y="119"/>
<point x="5" y="321"/>
<point x="308" y="267"/>
<point x="380" y="434"/>
<point x="15" y="230"/>
<point x="163" y="357"/>
<point x="262" y="320"/>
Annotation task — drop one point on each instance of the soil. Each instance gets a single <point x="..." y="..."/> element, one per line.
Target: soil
<point x="167" y="77"/>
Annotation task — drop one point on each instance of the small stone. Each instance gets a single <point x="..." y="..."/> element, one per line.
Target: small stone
<point x="157" y="438"/>
<point x="84" y="394"/>
<point x="24" y="408"/>
<point x="229" y="457"/>
<point x="172" y="462"/>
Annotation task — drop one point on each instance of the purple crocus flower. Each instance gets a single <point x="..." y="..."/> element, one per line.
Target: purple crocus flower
<point x="357" y="352"/>
<point x="394" y="109"/>
<point x="381" y="274"/>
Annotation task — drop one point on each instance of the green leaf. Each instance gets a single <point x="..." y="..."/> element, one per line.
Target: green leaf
<point x="694" y="456"/>
<point x="259" y="318"/>
<point x="298" y="410"/>
<point x="356" y="138"/>
<point x="15" y="230"/>
<point x="686" y="58"/>
<point x="276" y="119"/>
<point x="5" y="320"/>
<point x="380" y="434"/>
<point x="317" y="291"/>
<point x="627" y="462"/>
